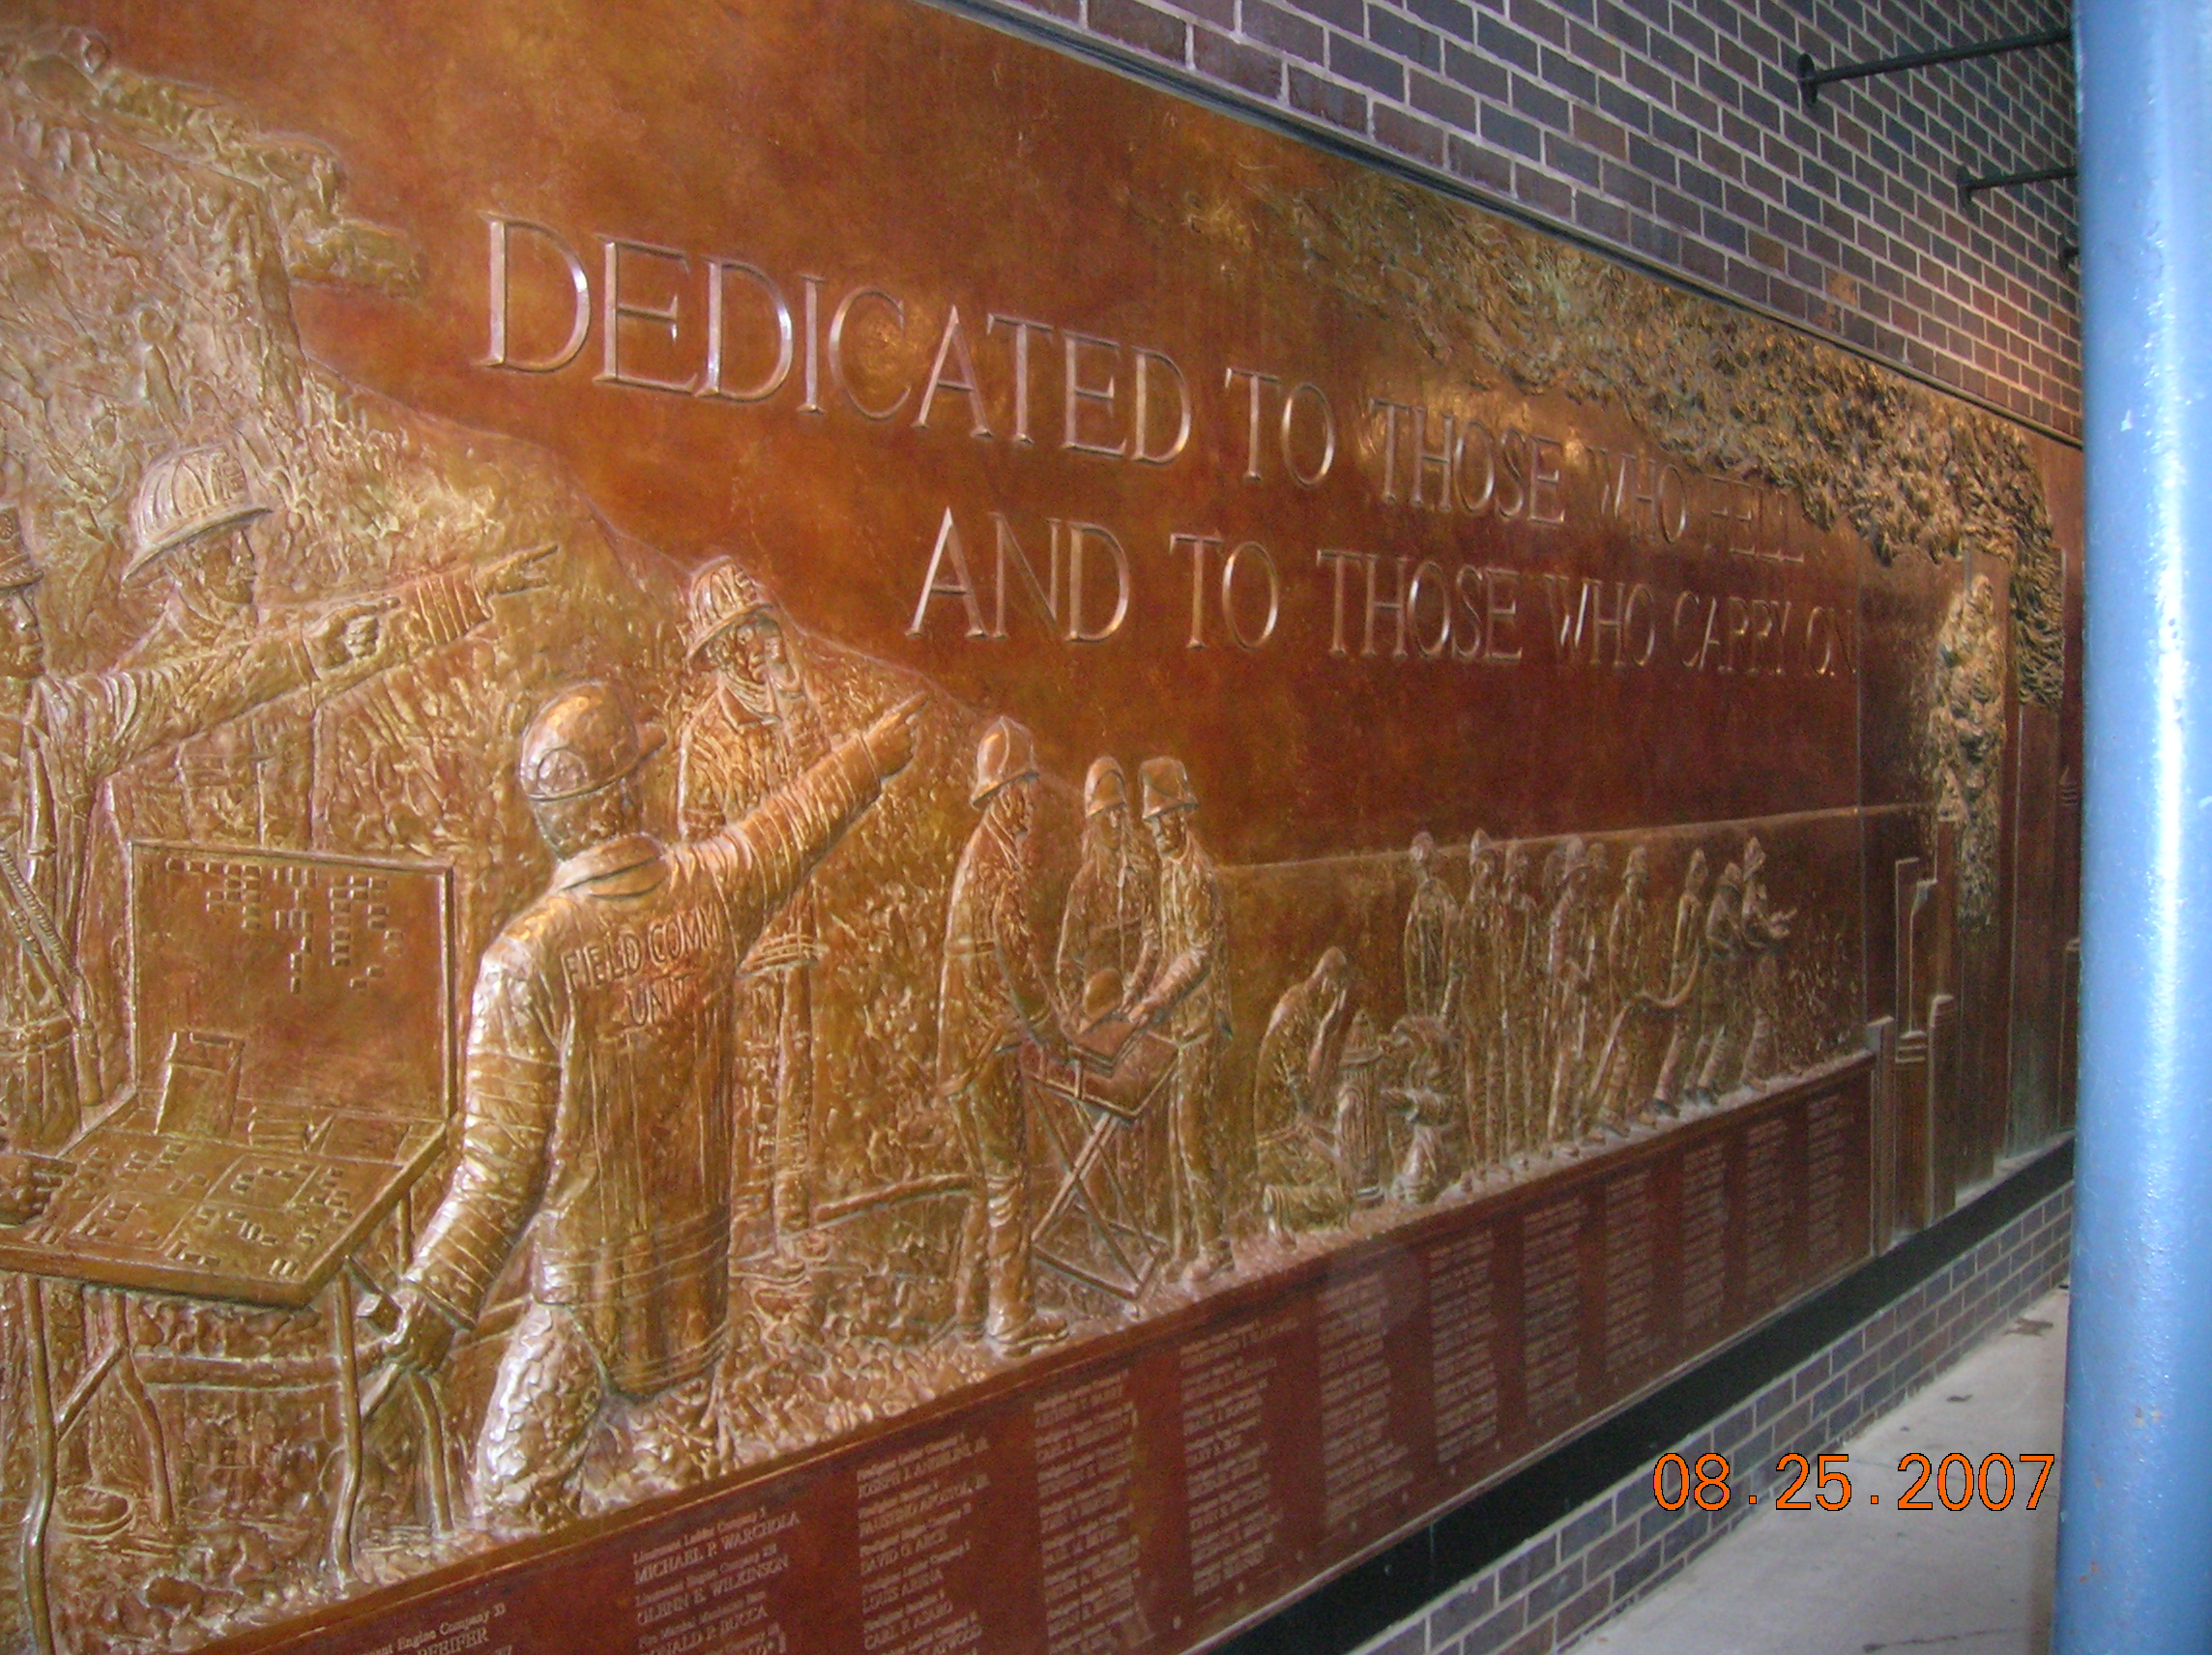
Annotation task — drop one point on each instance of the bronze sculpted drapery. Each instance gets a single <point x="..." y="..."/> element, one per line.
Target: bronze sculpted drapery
<point x="821" y="793"/>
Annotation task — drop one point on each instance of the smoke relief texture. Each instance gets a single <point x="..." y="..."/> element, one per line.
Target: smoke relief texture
<point x="1678" y="132"/>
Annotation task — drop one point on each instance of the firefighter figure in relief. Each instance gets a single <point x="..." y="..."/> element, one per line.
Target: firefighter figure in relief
<point x="598" y="1104"/>
<point x="995" y="999"/>
<point x="755" y="730"/>
<point x="1188" y="998"/>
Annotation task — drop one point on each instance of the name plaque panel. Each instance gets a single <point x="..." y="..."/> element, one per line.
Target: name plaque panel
<point x="821" y="835"/>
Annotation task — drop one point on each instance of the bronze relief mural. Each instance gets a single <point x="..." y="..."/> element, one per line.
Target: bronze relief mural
<point x="819" y="845"/>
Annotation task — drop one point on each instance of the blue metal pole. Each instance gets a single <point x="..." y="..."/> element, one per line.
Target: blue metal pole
<point x="2135" y="1547"/>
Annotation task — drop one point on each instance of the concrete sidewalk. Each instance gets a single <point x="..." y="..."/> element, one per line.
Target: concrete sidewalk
<point x="1870" y="1578"/>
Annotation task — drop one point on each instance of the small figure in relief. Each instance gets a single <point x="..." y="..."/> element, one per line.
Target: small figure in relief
<point x="1110" y="921"/>
<point x="1188" y="997"/>
<point x="1301" y="1171"/>
<point x="1473" y="1017"/>
<point x="994" y="1000"/>
<point x="1721" y="993"/>
<point x="1428" y="933"/>
<point x="1417" y="1086"/>
<point x="1679" y="1002"/>
<point x="1765" y="931"/>
<point x="753" y="732"/>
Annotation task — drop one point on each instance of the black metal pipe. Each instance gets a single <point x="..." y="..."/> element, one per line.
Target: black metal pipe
<point x="1810" y="80"/>
<point x="1968" y="182"/>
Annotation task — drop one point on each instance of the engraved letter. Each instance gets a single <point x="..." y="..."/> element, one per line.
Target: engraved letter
<point x="1429" y="578"/>
<point x="1045" y="596"/>
<point x="1439" y="457"/>
<point x="812" y="284"/>
<point x="1690" y="658"/>
<point x="1467" y="582"/>
<point x="1253" y="379"/>
<point x="718" y="271"/>
<point x="1642" y="595"/>
<point x="1820" y="634"/>
<point x="1476" y="500"/>
<point x="1566" y="619"/>
<point x="1076" y="393"/>
<point x="1673" y="516"/>
<point x="1504" y="614"/>
<point x="843" y="315"/>
<point x="1711" y="646"/>
<point x="1229" y="568"/>
<point x="1023" y="327"/>
<point x="1337" y="562"/>
<point x="1739" y="628"/>
<point x="1298" y="474"/>
<point x="1395" y="607"/>
<point x="580" y="284"/>
<point x="948" y="551"/>
<point x="1510" y="442"/>
<point x="1142" y="420"/>
<point x="1544" y="475"/>
<point x="614" y="308"/>
<point x="1616" y="481"/>
<point x="1727" y="497"/>
<point x="1389" y="411"/>
<point x="1601" y="622"/>
<point x="1198" y="547"/>
<point x="1761" y="629"/>
<point x="1077" y="535"/>
<point x="952" y="349"/>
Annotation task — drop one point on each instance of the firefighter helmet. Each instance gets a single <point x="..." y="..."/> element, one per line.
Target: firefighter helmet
<point x="1104" y="787"/>
<point x="722" y="595"/>
<point x="184" y="494"/>
<point x="1006" y="754"/>
<point x="581" y="741"/>
<point x="1166" y="786"/>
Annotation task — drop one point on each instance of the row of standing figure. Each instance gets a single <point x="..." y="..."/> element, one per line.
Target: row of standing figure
<point x="1543" y="1010"/>
<point x="1573" y="1012"/>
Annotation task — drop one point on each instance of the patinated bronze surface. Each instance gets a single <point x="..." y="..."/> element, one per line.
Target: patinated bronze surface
<point x="818" y="836"/>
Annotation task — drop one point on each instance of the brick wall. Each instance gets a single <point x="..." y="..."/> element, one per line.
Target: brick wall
<point x="1673" y="129"/>
<point x="1597" y="1560"/>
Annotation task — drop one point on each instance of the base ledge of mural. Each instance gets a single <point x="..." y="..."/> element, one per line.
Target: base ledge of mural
<point x="1577" y="1508"/>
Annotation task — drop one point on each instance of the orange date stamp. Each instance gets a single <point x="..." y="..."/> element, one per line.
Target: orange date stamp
<point x="1955" y="1481"/>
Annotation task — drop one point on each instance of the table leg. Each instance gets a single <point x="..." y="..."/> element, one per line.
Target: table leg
<point x="439" y="1490"/>
<point x="348" y="1504"/>
<point x="46" y="1446"/>
<point x="149" y="1419"/>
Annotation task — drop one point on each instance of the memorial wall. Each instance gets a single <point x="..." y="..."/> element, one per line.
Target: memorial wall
<point x="823" y="836"/>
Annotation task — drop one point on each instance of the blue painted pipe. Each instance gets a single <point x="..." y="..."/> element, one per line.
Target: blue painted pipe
<point x="2135" y="1545"/>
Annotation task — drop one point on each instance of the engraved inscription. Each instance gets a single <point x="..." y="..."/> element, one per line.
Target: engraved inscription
<point x="1631" y="1330"/>
<point x="1365" y="1460"/>
<point x="1085" y="1466"/>
<point x="1229" y="1455"/>
<point x="1704" y="1236"/>
<point x="1826" y="1127"/>
<point x="1552" y="1307"/>
<point x="918" y="1522"/>
<point x="1463" y="1330"/>
<point x="1766" y="1209"/>
<point x="714" y="1587"/>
